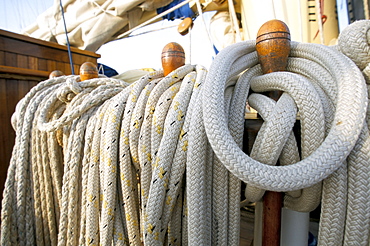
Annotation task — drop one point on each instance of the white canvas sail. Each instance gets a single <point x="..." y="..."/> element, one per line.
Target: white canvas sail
<point x="301" y="17"/>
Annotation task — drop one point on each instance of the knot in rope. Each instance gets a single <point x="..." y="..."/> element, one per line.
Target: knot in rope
<point x="70" y="89"/>
<point x="74" y="85"/>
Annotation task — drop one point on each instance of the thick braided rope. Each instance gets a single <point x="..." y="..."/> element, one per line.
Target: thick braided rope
<point x="20" y="121"/>
<point x="162" y="167"/>
<point x="276" y="130"/>
<point x="24" y="217"/>
<point x="152" y="118"/>
<point x="220" y="192"/>
<point x="287" y="177"/>
<point x="175" y="184"/>
<point x="354" y="43"/>
<point x="137" y="120"/>
<point x="334" y="193"/>
<point x="84" y="173"/>
<point x="358" y="212"/>
<point x="218" y="69"/>
<point x="198" y="176"/>
<point x="312" y="124"/>
<point x="120" y="205"/>
<point x="93" y="203"/>
<point x="68" y="230"/>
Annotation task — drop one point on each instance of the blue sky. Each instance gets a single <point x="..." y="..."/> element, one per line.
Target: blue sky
<point x="141" y="51"/>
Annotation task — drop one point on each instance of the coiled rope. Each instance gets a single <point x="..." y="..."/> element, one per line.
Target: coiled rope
<point x="106" y="162"/>
<point x="344" y="85"/>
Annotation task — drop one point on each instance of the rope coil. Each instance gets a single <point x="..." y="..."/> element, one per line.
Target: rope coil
<point x="103" y="161"/>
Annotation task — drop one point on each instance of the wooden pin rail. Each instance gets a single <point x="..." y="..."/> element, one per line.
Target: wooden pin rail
<point x="88" y="70"/>
<point x="173" y="57"/>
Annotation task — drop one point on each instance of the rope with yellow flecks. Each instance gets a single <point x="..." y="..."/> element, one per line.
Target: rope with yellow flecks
<point x="159" y="161"/>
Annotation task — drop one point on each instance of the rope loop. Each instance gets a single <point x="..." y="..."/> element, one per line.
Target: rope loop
<point x="160" y="161"/>
<point x="318" y="165"/>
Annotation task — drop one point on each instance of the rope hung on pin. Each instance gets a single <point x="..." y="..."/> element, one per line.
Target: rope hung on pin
<point x="159" y="161"/>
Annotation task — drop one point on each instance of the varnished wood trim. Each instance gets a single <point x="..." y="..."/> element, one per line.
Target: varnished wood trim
<point x="46" y="43"/>
<point x="23" y="71"/>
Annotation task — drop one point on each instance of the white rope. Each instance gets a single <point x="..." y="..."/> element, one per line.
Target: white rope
<point x="291" y="181"/>
<point x="350" y="43"/>
<point x="159" y="162"/>
<point x="246" y="168"/>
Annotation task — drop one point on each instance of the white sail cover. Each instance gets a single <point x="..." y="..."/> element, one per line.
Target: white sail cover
<point x="91" y="23"/>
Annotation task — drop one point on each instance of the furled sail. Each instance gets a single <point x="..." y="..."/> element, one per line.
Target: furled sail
<point x="92" y="23"/>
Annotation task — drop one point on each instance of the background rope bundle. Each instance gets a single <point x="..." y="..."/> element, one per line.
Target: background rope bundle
<point x="80" y="174"/>
<point x="106" y="162"/>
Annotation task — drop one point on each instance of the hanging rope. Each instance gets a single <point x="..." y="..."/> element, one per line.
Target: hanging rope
<point x="320" y="164"/>
<point x="160" y="161"/>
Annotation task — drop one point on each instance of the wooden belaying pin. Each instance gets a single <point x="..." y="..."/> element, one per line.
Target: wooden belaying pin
<point x="173" y="57"/>
<point x="273" y="48"/>
<point x="56" y="73"/>
<point x="88" y="70"/>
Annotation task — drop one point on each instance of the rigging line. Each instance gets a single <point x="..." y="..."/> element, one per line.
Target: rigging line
<point x="190" y="31"/>
<point x="68" y="44"/>
<point x="154" y="18"/>
<point x="149" y="31"/>
<point x="234" y="21"/>
<point x="200" y="12"/>
<point x="366" y="9"/>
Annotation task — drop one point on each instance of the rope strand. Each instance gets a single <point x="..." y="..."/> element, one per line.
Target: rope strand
<point x="160" y="161"/>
